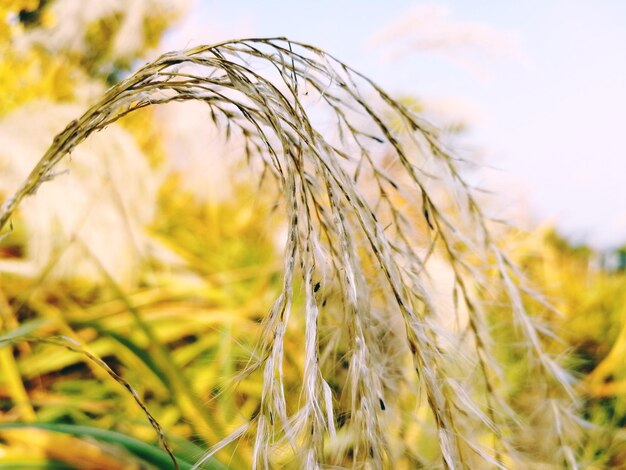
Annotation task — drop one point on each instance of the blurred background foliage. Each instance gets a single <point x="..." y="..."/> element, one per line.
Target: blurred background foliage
<point x="205" y="270"/>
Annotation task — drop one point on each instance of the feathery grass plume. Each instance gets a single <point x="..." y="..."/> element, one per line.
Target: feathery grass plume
<point x="372" y="198"/>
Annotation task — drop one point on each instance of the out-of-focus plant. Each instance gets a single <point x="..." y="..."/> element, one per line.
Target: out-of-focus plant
<point x="591" y="326"/>
<point x="28" y="73"/>
<point x="50" y="67"/>
<point x="177" y="339"/>
<point x="354" y="282"/>
<point x="49" y="46"/>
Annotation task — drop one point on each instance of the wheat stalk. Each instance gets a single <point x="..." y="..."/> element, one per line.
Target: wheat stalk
<point x="368" y="200"/>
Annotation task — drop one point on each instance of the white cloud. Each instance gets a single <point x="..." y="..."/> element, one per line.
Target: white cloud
<point x="430" y="28"/>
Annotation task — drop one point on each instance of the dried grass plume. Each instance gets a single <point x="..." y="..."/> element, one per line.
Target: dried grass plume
<point x="370" y="194"/>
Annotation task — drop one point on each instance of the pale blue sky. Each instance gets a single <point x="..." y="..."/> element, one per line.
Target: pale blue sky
<point x="552" y="123"/>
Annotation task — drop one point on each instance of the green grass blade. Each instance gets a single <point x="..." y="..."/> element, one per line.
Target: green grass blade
<point x="25" y="329"/>
<point x="146" y="452"/>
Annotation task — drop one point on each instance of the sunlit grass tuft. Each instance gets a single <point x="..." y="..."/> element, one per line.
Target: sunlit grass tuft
<point x="371" y="200"/>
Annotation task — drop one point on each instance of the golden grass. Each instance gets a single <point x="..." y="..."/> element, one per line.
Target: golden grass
<point x="369" y="202"/>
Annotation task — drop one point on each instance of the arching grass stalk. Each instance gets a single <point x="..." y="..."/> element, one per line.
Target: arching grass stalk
<point x="368" y="199"/>
<point x="71" y="345"/>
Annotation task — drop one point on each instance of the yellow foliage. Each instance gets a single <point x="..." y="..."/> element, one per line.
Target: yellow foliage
<point x="32" y="75"/>
<point x="28" y="73"/>
<point x="146" y="133"/>
<point x="8" y="10"/>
